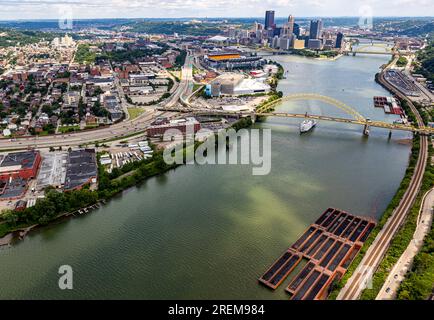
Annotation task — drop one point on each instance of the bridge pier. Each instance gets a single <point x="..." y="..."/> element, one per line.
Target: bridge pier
<point x="253" y="118"/>
<point x="366" y="130"/>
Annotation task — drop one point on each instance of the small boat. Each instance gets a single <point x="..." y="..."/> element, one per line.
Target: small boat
<point x="307" y="125"/>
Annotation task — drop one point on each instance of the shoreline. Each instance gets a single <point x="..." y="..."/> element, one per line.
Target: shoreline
<point x="329" y="58"/>
<point x="18" y="234"/>
<point x="388" y="213"/>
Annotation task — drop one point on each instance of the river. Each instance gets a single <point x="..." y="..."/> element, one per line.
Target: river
<point x="203" y="232"/>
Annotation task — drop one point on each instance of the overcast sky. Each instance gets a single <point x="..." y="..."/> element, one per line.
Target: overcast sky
<point x="51" y="9"/>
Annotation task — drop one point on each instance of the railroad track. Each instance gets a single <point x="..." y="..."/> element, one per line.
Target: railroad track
<point x="376" y="252"/>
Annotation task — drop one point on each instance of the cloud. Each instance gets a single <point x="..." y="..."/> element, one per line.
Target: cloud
<point x="26" y="9"/>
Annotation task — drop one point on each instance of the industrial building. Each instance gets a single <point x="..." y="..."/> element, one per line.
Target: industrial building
<point x="20" y="165"/>
<point x="12" y="189"/>
<point x="81" y="169"/>
<point x="53" y="170"/>
<point x="159" y="130"/>
<point x="16" y="169"/>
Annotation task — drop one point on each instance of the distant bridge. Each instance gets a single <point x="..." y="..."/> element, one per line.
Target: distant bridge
<point x="264" y="111"/>
<point x="388" y="49"/>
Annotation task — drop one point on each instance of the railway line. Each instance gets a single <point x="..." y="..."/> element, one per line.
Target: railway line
<point x="376" y="252"/>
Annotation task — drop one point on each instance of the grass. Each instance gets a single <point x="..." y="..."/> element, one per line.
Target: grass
<point x="91" y="126"/>
<point x="67" y="129"/>
<point x="196" y="86"/>
<point x="135" y="112"/>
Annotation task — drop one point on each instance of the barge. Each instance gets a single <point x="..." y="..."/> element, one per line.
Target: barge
<point x="328" y="246"/>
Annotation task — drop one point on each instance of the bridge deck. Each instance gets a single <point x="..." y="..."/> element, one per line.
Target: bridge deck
<point x="377" y="124"/>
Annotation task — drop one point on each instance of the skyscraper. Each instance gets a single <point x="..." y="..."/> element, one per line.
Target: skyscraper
<point x="269" y="19"/>
<point x="339" y="40"/>
<point x="291" y="24"/>
<point x="285" y="30"/>
<point x="296" y="30"/>
<point x="315" y="29"/>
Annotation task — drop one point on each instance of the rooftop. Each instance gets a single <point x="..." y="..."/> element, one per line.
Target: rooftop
<point x="19" y="160"/>
<point x="81" y="168"/>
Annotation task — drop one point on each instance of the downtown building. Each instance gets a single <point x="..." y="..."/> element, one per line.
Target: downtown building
<point x="269" y="19"/>
<point x="315" y="29"/>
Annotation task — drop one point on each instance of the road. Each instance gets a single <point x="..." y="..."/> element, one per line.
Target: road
<point x="373" y="257"/>
<point x="116" y="131"/>
<point x="124" y="103"/>
<point x="397" y="275"/>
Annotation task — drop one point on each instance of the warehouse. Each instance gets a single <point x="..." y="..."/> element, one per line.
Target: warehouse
<point x="182" y="125"/>
<point x="81" y="169"/>
<point x="23" y="165"/>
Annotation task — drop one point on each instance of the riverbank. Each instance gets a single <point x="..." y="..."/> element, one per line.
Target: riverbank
<point x="401" y="238"/>
<point x="418" y="282"/>
<point x="57" y="205"/>
<point x="330" y="58"/>
<point x="337" y="286"/>
<point x="110" y="185"/>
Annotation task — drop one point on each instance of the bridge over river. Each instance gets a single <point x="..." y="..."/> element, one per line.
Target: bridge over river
<point x="266" y="111"/>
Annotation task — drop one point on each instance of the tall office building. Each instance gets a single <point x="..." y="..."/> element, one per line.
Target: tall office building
<point x="285" y="31"/>
<point x="258" y="26"/>
<point x="291" y="24"/>
<point x="277" y="32"/>
<point x="297" y="30"/>
<point x="339" y="40"/>
<point x="315" y="29"/>
<point x="269" y="19"/>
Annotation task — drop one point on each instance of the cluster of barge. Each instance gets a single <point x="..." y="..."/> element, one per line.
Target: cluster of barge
<point x="328" y="247"/>
<point x="389" y="104"/>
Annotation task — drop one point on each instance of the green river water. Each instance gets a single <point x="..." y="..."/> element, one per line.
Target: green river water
<point x="208" y="232"/>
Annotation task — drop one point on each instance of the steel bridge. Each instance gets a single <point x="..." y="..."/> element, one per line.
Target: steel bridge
<point x="266" y="111"/>
<point x="365" y="49"/>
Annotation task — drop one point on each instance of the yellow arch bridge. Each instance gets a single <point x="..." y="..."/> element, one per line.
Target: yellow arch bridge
<point x="266" y="111"/>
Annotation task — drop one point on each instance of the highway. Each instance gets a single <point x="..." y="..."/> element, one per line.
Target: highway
<point x="373" y="257"/>
<point x="113" y="132"/>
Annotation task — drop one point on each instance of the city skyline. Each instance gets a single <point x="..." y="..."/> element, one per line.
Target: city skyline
<point x="83" y="9"/>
